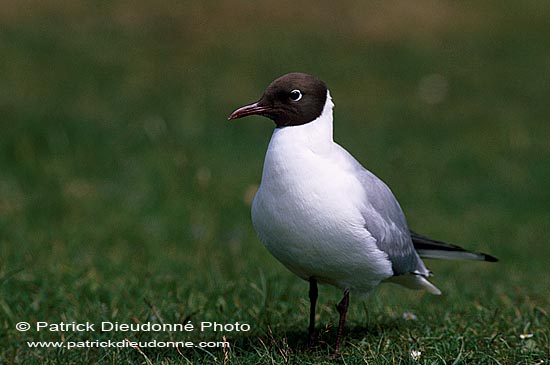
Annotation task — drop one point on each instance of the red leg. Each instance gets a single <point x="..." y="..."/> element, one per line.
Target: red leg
<point x="342" y="309"/>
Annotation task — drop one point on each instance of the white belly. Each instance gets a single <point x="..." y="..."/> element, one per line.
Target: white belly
<point x="306" y="214"/>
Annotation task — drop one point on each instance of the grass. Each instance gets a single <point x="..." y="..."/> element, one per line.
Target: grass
<point x="125" y="193"/>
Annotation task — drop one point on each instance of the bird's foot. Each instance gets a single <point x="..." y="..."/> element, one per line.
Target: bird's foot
<point x="312" y="340"/>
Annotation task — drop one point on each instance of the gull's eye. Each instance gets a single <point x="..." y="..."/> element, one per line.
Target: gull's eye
<point x="295" y="95"/>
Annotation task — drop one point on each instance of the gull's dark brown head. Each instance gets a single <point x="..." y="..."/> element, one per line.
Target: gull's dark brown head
<point x="292" y="99"/>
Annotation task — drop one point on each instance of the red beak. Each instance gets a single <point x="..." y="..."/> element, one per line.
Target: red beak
<point x="251" y="109"/>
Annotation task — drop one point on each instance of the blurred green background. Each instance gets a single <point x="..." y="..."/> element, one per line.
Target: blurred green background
<point x="125" y="192"/>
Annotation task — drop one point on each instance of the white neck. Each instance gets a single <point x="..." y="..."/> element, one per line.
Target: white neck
<point x="315" y="135"/>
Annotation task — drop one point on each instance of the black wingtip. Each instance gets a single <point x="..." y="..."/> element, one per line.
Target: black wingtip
<point x="445" y="250"/>
<point x="489" y="258"/>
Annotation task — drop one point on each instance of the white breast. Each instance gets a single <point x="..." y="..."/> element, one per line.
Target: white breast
<point x="307" y="209"/>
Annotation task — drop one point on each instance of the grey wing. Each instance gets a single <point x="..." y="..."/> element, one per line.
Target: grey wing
<point x="385" y="221"/>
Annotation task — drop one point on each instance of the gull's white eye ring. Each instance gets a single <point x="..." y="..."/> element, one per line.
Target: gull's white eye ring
<point x="295" y="95"/>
